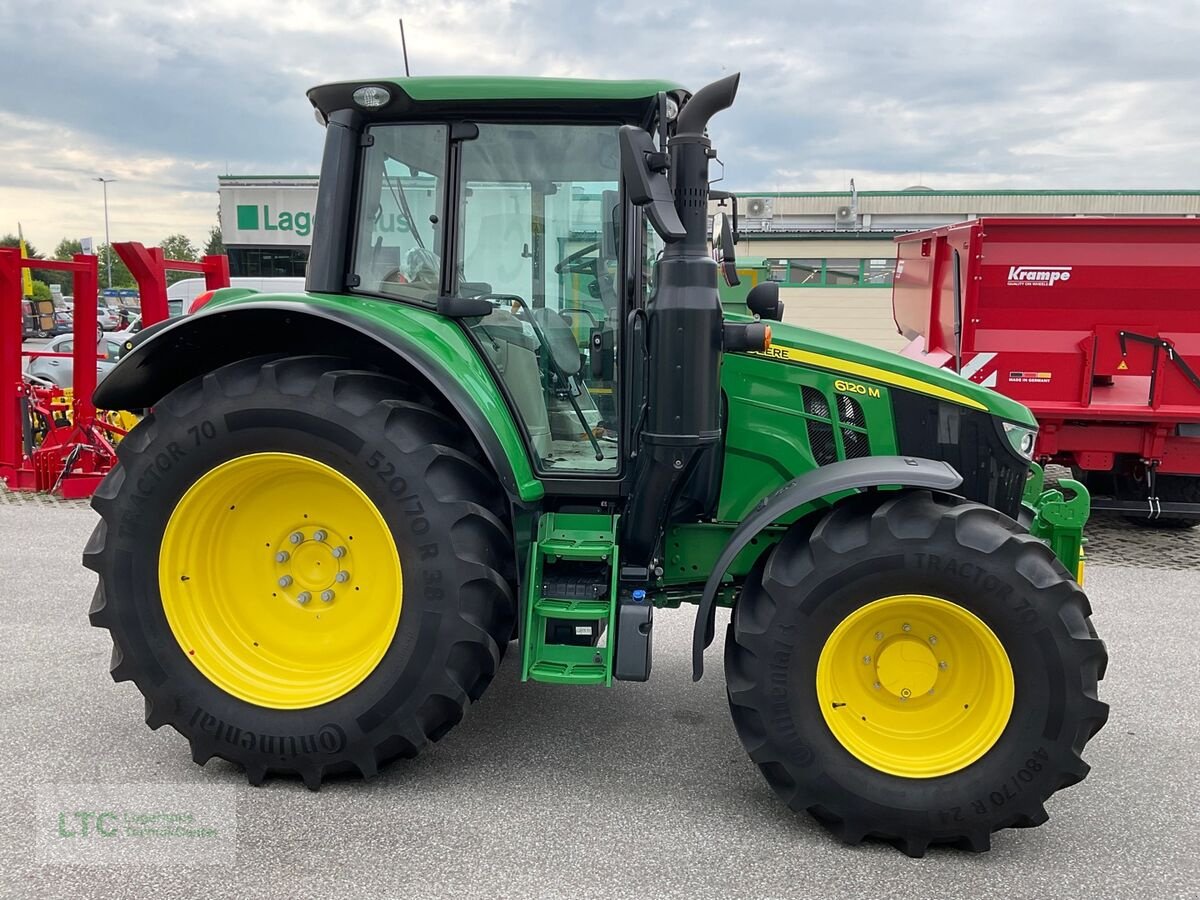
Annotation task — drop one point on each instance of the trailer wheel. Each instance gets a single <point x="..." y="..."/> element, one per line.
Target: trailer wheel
<point x="914" y="668"/>
<point x="302" y="568"/>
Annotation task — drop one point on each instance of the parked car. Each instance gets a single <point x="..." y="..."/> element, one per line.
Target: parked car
<point x="64" y="323"/>
<point x="59" y="370"/>
<point x="181" y="294"/>
<point x="109" y="318"/>
<point x="37" y="318"/>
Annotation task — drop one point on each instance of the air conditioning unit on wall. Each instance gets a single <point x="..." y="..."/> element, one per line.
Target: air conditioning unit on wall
<point x="760" y="208"/>
<point x="845" y="217"/>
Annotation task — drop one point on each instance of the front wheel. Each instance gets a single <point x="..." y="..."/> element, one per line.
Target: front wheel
<point x="915" y="668"/>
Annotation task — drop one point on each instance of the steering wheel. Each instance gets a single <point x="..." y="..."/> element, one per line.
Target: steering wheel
<point x="573" y="263"/>
<point x="552" y="330"/>
<point x="602" y="284"/>
<point x="556" y="337"/>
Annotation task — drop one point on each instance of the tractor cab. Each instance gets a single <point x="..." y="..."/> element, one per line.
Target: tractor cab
<point x="532" y="227"/>
<point x="518" y="214"/>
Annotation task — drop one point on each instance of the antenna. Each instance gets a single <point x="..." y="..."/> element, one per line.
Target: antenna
<point x="404" y="47"/>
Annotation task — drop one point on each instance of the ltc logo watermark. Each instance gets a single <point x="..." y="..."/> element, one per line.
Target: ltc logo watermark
<point x="157" y="825"/>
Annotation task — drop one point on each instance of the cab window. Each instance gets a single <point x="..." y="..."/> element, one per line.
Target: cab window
<point x="398" y="247"/>
<point x="539" y="216"/>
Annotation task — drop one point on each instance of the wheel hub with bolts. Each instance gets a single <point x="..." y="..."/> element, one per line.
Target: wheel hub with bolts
<point x="271" y="608"/>
<point x="915" y="686"/>
<point x="317" y="561"/>
<point x="906" y="667"/>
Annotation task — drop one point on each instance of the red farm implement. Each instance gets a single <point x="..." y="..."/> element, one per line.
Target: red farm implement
<point x="52" y="439"/>
<point x="1094" y="324"/>
<point x="149" y="268"/>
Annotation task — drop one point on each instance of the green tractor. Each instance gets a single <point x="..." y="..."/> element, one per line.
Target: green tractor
<point x="509" y="407"/>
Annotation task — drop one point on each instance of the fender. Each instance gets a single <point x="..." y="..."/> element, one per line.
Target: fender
<point x="173" y="352"/>
<point x="851" y="474"/>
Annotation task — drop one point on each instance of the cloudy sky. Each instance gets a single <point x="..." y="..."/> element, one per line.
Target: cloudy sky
<point x="166" y="96"/>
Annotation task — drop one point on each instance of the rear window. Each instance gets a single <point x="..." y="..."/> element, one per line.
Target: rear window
<point x="399" y="243"/>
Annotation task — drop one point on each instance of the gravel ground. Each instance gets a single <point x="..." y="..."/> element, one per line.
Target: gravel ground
<point x="544" y="791"/>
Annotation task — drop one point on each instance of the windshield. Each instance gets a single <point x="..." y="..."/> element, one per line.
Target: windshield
<point x="399" y="239"/>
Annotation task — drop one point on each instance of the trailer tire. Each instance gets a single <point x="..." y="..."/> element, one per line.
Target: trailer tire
<point x="816" y="642"/>
<point x="393" y="666"/>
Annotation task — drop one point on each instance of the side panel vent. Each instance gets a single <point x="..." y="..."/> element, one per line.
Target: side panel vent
<point x="856" y="443"/>
<point x="820" y="440"/>
<point x="815" y="403"/>
<point x="850" y="412"/>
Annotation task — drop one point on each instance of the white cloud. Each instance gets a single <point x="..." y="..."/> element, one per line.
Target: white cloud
<point x="164" y="97"/>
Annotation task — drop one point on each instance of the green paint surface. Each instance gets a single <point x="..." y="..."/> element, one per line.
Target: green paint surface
<point x="434" y="88"/>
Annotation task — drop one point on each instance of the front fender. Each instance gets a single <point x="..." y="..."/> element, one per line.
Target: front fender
<point x="848" y="475"/>
<point x="395" y="338"/>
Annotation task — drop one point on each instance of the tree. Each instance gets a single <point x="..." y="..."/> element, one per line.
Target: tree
<point x="11" y="240"/>
<point x="120" y="274"/>
<point x="215" y="244"/>
<point x="47" y="276"/>
<point x="67" y="248"/>
<point x="179" y="246"/>
<point x="41" y="290"/>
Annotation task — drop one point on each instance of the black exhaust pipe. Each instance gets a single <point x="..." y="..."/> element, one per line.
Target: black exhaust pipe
<point x="706" y="103"/>
<point x="684" y="333"/>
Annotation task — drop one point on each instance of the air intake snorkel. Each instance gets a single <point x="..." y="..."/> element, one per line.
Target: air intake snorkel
<point x="684" y="323"/>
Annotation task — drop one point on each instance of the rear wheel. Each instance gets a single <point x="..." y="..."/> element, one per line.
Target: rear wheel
<point x="303" y="567"/>
<point x="917" y="669"/>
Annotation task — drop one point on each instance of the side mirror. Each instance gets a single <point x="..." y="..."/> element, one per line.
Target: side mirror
<point x="723" y="197"/>
<point x="723" y="252"/>
<point x="647" y="185"/>
<point x="763" y="300"/>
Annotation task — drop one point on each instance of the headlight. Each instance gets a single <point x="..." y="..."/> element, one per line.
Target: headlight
<point x="1021" y="438"/>
<point x="371" y="96"/>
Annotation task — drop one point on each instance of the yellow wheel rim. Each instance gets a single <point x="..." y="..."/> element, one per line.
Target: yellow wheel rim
<point x="915" y="686"/>
<point x="280" y="580"/>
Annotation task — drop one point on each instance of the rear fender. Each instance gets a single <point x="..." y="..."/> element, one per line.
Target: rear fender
<point x="403" y="341"/>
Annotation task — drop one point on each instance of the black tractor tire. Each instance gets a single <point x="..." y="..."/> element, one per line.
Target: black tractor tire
<point x="880" y="545"/>
<point x="451" y="532"/>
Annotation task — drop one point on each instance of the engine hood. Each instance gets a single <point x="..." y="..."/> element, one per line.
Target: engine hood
<point x="792" y="344"/>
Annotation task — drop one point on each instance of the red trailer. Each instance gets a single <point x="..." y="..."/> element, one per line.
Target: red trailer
<point x="1093" y="323"/>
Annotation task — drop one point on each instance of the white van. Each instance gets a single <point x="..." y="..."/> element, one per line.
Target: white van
<point x="181" y="294"/>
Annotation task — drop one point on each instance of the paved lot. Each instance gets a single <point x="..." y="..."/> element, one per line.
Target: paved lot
<point x="639" y="791"/>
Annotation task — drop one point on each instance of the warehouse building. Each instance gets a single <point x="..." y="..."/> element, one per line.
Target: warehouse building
<point x="266" y="223"/>
<point x="832" y="252"/>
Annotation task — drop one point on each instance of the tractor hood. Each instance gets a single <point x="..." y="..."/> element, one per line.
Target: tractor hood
<point x="790" y="343"/>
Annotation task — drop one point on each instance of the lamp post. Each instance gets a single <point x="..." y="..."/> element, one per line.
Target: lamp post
<point x="107" y="243"/>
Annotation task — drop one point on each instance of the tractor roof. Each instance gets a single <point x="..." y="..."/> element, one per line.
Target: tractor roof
<point x="525" y="97"/>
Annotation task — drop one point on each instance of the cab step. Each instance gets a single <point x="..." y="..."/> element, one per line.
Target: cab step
<point x="571" y="604"/>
